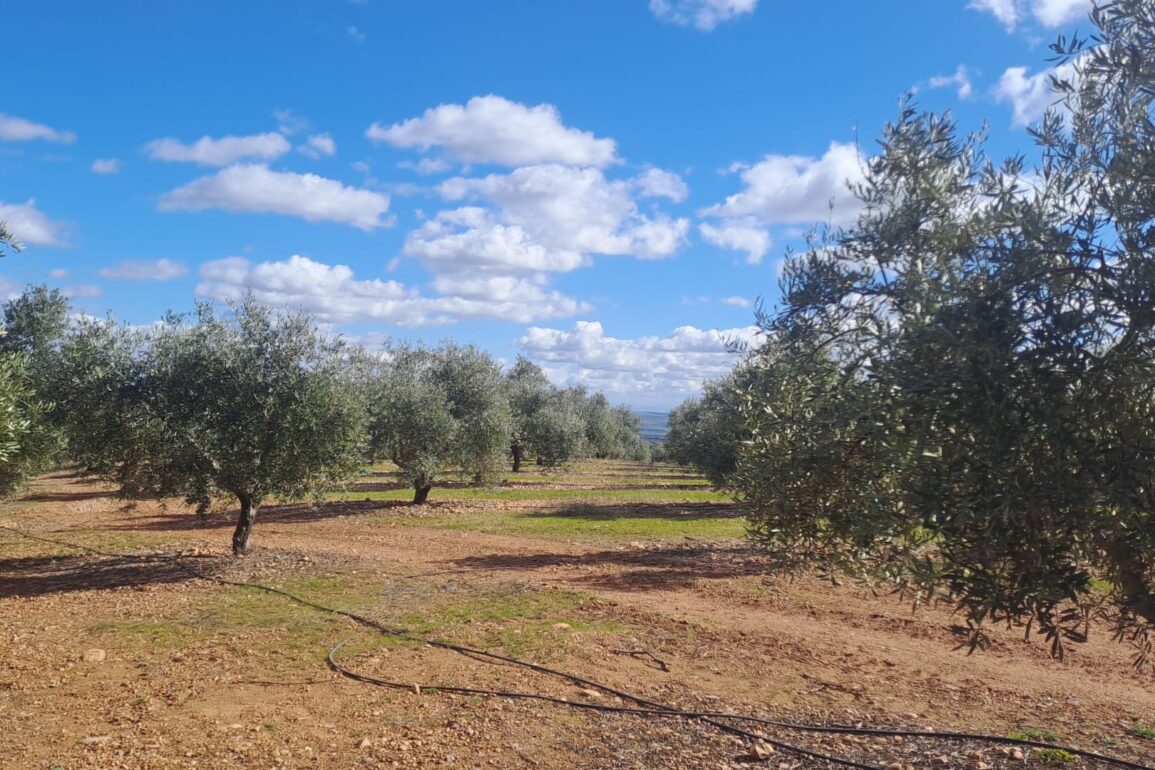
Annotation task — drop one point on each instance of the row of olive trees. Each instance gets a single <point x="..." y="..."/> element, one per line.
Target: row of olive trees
<point x="957" y="393"/>
<point x="257" y="404"/>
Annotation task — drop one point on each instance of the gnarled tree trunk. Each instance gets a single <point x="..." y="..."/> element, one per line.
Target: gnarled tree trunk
<point x="516" y="451"/>
<point x="421" y="493"/>
<point x="245" y="520"/>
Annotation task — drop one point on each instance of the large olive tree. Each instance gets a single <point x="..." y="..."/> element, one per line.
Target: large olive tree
<point x="254" y="405"/>
<point x="958" y="392"/>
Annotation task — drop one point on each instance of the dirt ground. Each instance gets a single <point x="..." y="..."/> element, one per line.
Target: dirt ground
<point x="115" y="662"/>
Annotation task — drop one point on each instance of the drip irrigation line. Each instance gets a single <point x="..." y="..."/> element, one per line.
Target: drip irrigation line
<point x="647" y="707"/>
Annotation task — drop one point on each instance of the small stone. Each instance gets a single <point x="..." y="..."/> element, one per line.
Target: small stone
<point x="942" y="760"/>
<point x="1017" y="754"/>
<point x="94" y="739"/>
<point x="591" y="693"/>
<point x="236" y="726"/>
<point x="95" y="655"/>
<point x="364" y="743"/>
<point x="894" y="766"/>
<point x="982" y="766"/>
<point x="562" y="626"/>
<point x="761" y="750"/>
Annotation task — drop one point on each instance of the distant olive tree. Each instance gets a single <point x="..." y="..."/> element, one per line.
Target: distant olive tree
<point x="707" y="432"/>
<point x="255" y="405"/>
<point x="528" y="391"/>
<point x="958" y="392"/>
<point x="547" y="422"/>
<point x="432" y="411"/>
<point x="473" y="387"/>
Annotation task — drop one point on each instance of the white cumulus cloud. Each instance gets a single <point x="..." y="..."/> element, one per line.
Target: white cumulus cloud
<point x="659" y="370"/>
<point x="14" y="129"/>
<point x="318" y="146"/>
<point x="156" y="270"/>
<point x="739" y="234"/>
<point x="469" y="238"/>
<point x="1030" y="95"/>
<point x="572" y="209"/>
<point x="106" y="166"/>
<point x="208" y="151"/>
<point x="794" y="189"/>
<point x="701" y="14"/>
<point x="31" y="226"/>
<point x="257" y="189"/>
<point x="960" y="80"/>
<point x="785" y="189"/>
<point x="492" y="129"/>
<point x="658" y="183"/>
<point x="334" y="295"/>
<point x="1046" y="13"/>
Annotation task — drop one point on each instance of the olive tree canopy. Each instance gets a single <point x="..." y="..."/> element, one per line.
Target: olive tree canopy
<point x="958" y="392"/>
<point x="254" y="406"/>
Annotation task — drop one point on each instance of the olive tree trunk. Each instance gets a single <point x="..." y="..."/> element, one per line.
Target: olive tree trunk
<point x="245" y="521"/>
<point x="421" y="493"/>
<point x="516" y="451"/>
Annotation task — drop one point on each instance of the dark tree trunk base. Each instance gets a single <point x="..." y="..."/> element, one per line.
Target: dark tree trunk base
<point x="245" y="521"/>
<point x="421" y="494"/>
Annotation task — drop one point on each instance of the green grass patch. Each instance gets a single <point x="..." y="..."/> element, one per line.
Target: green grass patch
<point x="1035" y="734"/>
<point x="590" y="523"/>
<point x="690" y="494"/>
<point x="155" y="634"/>
<point x="521" y="622"/>
<point x="1141" y="731"/>
<point x="1056" y="756"/>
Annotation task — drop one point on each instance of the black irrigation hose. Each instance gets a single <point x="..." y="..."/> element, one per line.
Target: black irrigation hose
<point x="651" y="708"/>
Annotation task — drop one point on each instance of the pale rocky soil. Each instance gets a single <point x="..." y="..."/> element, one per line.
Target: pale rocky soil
<point x="122" y="663"/>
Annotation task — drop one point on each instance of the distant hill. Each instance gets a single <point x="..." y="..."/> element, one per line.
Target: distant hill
<point x="655" y="425"/>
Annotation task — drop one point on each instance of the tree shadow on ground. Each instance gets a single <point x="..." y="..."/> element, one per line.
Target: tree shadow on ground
<point x="65" y="497"/>
<point x="595" y="486"/>
<point x="612" y="512"/>
<point x="283" y="513"/>
<point x="41" y="576"/>
<point x="644" y="569"/>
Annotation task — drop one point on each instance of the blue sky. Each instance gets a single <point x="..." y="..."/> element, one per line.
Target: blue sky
<point x="605" y="186"/>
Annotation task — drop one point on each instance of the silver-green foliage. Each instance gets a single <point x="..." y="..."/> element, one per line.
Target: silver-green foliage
<point x="707" y="432"/>
<point x="432" y="411"/>
<point x="958" y="392"/>
<point x="253" y="406"/>
<point x="546" y="421"/>
<point x="33" y="324"/>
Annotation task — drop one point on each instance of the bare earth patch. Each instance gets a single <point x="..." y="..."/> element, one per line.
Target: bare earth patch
<point x="140" y="662"/>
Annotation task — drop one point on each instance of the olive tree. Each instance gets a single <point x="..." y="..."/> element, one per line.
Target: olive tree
<point x="707" y="432"/>
<point x="255" y="405"/>
<point x="26" y="444"/>
<point x="958" y="392"/>
<point x="33" y="324"/>
<point x="436" y="410"/>
<point x="409" y="418"/>
<point x="472" y="383"/>
<point x="546" y="421"/>
<point x="35" y="321"/>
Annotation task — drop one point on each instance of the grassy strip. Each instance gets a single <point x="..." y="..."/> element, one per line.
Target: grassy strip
<point x="586" y="523"/>
<point x="515" y="494"/>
